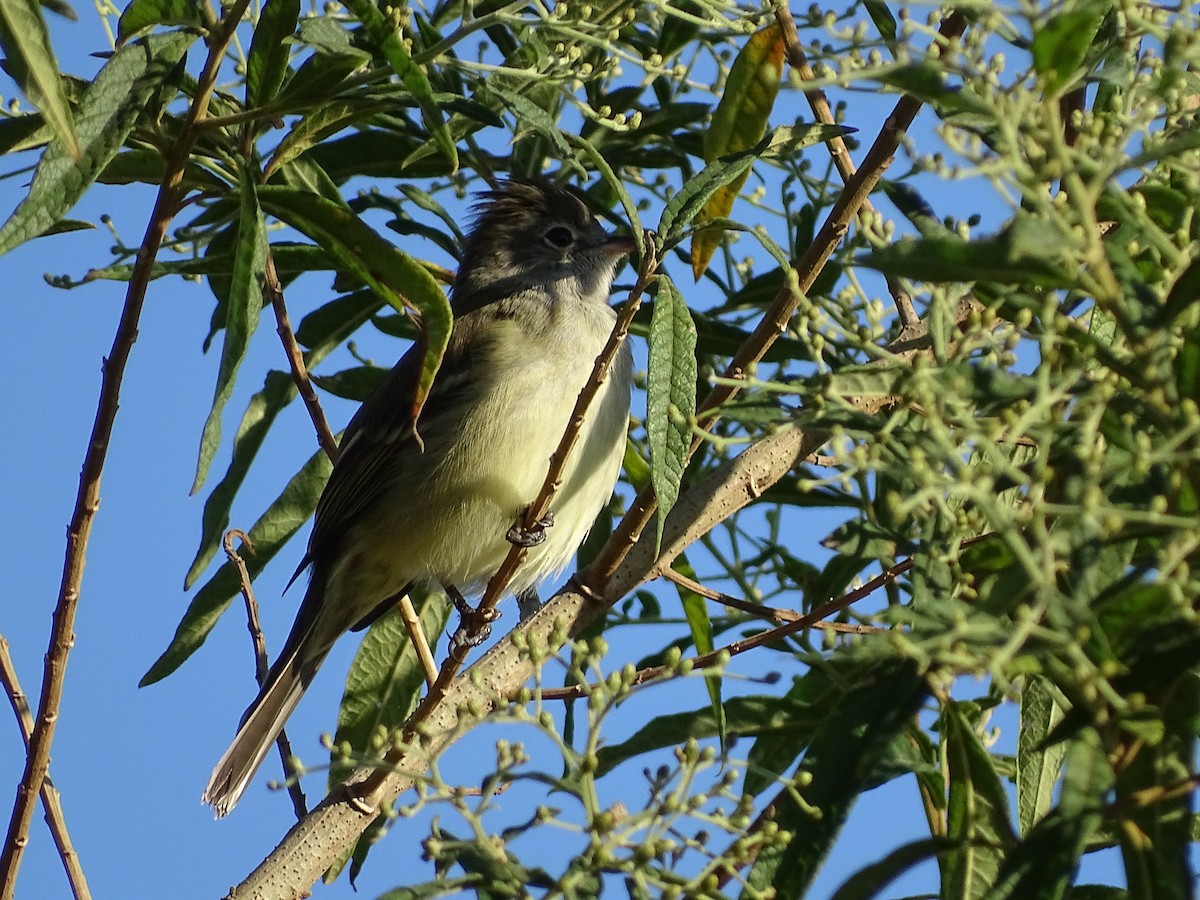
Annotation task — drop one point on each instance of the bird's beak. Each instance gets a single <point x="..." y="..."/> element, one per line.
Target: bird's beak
<point x="618" y="245"/>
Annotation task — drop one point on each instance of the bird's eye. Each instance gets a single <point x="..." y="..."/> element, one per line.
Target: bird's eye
<point x="560" y="237"/>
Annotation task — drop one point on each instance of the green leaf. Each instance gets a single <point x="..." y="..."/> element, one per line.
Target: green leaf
<point x="670" y="395"/>
<point x="412" y="74"/>
<point x="106" y="115"/>
<point x="143" y="14"/>
<point x="357" y="383"/>
<point x="869" y="881"/>
<point x="750" y="715"/>
<point x="976" y="813"/>
<point x="695" y="193"/>
<point x="270" y="51"/>
<point x="382" y="688"/>
<point x="1184" y="292"/>
<point x="1044" y="863"/>
<point x="1027" y="251"/>
<point x="282" y="519"/>
<point x="384" y="682"/>
<point x="392" y="274"/>
<point x="844" y="749"/>
<point x="241" y="318"/>
<point x="1037" y="764"/>
<point x="30" y="61"/>
<point x="323" y="121"/>
<point x="1060" y="45"/>
<point x="695" y="610"/>
<point x="884" y="21"/>
<point x="62" y="8"/>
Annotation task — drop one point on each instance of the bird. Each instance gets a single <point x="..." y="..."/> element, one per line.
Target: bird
<point x="432" y="505"/>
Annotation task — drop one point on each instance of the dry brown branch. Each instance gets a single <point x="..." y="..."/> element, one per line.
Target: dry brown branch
<point x="757" y="609"/>
<point x="87" y="500"/>
<point x="283" y="327"/>
<point x="51" y="802"/>
<point x="254" y="625"/>
<point x="837" y="147"/>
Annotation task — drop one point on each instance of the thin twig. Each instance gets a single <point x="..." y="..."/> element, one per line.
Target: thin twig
<point x="775" y="321"/>
<point x="412" y="623"/>
<point x="757" y="609"/>
<point x="254" y="624"/>
<point x="87" y="500"/>
<point x="283" y="327"/>
<point x="51" y="801"/>
<point x="837" y="147"/>
<point x="735" y="648"/>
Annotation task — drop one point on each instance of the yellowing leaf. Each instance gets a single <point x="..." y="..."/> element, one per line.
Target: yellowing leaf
<point x="739" y="122"/>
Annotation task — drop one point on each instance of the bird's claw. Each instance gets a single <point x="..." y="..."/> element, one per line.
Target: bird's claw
<point x="532" y="536"/>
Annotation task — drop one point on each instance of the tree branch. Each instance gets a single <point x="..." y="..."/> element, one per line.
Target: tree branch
<point x="283" y="327"/>
<point x="87" y="500"/>
<point x="314" y="843"/>
<point x="51" y="801"/>
<point x="254" y="625"/>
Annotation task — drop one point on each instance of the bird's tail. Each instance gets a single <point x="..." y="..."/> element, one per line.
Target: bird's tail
<point x="281" y="691"/>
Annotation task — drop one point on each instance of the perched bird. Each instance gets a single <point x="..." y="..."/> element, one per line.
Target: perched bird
<point x="531" y="314"/>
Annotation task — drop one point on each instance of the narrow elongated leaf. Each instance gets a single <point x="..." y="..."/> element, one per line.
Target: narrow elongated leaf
<point x="241" y="318"/>
<point x="282" y="519"/>
<point x="1026" y="252"/>
<point x="30" y="60"/>
<point x="738" y="123"/>
<point x="267" y="64"/>
<point x="1037" y="764"/>
<point x="323" y="121"/>
<point x="385" y="680"/>
<point x="844" y="749"/>
<point x="388" y="38"/>
<point x="752" y="715"/>
<point x="1060" y="45"/>
<point x="682" y="208"/>
<point x="1044" y="863"/>
<point x="142" y="14"/>
<point x="977" y="812"/>
<point x="695" y="610"/>
<point x="394" y="275"/>
<point x="106" y="115"/>
<point x="868" y="882"/>
<point x="670" y="394"/>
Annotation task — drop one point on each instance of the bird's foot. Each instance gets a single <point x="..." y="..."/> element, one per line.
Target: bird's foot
<point x="474" y="624"/>
<point x="530" y="537"/>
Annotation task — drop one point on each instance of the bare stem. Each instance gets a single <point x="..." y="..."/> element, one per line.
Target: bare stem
<point x="254" y="625"/>
<point x="283" y="326"/>
<point x="51" y="801"/>
<point x="842" y="161"/>
<point x="87" y="500"/>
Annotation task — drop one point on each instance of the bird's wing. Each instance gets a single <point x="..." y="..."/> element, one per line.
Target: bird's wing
<point x="379" y="438"/>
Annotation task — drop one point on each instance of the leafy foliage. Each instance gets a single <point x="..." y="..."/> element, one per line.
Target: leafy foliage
<point x="1017" y="467"/>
